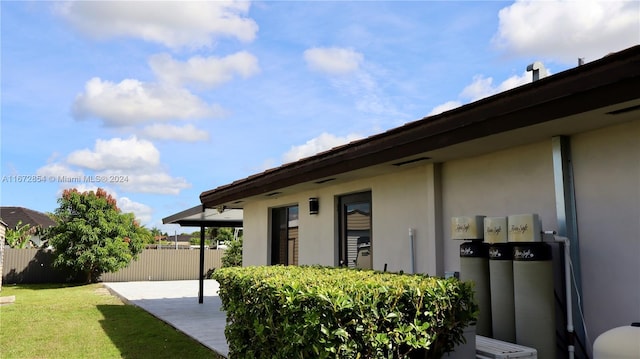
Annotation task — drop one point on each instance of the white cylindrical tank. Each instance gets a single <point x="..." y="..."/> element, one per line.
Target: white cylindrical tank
<point x="534" y="299"/>
<point x="618" y="343"/>
<point x="503" y="321"/>
<point x="474" y="267"/>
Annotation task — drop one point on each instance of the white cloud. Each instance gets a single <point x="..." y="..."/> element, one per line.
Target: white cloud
<point x="176" y="24"/>
<point x="151" y="182"/>
<point x="361" y="85"/>
<point x="449" y="105"/>
<point x="366" y="93"/>
<point x="132" y="101"/>
<point x="333" y="60"/>
<point x="188" y="133"/>
<point x="129" y="164"/>
<point x="57" y="170"/>
<point x="482" y="87"/>
<point x="205" y="71"/>
<point x="143" y="180"/>
<point x="142" y="212"/>
<point x="316" y="145"/>
<point x="117" y="153"/>
<point x="265" y="165"/>
<point x="565" y="30"/>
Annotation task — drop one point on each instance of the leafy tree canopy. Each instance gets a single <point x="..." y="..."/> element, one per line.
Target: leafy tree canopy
<point x="232" y="256"/>
<point x="93" y="236"/>
<point x="224" y="235"/>
<point x="19" y="237"/>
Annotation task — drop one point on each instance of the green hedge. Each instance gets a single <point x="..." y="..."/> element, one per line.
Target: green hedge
<point x="318" y="312"/>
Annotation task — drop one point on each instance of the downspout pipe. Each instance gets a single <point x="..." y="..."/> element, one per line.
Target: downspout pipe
<point x="566" y="213"/>
<point x="567" y="279"/>
<point x="412" y="248"/>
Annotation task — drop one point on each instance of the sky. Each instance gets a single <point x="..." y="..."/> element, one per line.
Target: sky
<point x="158" y="101"/>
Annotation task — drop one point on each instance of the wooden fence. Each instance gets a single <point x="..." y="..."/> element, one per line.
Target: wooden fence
<point x="35" y="266"/>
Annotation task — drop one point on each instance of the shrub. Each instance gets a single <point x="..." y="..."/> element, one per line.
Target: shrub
<point x="232" y="256"/>
<point x="317" y="312"/>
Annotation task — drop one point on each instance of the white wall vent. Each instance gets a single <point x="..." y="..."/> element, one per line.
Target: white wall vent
<point x="488" y="348"/>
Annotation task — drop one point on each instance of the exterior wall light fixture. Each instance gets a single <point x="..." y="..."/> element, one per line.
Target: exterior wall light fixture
<point x="314" y="205"/>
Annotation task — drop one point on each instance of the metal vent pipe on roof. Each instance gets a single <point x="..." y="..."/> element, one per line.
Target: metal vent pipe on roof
<point x="539" y="71"/>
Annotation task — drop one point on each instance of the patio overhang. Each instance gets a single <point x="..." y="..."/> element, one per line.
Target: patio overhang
<point x="209" y="217"/>
<point x="202" y="217"/>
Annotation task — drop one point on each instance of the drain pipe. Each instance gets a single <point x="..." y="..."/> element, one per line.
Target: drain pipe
<point x="567" y="278"/>
<point x="411" y="242"/>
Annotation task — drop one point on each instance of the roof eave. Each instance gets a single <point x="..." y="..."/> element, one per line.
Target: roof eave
<point x="610" y="80"/>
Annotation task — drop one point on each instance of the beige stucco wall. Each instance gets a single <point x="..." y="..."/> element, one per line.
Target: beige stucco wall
<point x="515" y="181"/>
<point x="606" y="166"/>
<point x="400" y="201"/>
<point x="254" y="235"/>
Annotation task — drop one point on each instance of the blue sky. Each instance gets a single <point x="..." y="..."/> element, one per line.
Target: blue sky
<point x="158" y="101"/>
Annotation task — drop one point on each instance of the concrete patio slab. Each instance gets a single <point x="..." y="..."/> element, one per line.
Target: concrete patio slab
<point x="176" y="303"/>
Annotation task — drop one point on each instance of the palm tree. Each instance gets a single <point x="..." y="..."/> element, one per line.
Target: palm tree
<point x="20" y="237"/>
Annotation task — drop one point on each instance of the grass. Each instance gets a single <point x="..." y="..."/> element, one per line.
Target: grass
<point x="63" y="321"/>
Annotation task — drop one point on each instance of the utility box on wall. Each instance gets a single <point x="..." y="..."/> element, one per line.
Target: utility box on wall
<point x="467" y="227"/>
<point x="524" y="228"/>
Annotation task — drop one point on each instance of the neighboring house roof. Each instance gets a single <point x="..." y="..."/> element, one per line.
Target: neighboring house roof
<point x="12" y="215"/>
<point x="603" y="92"/>
<point x="182" y="238"/>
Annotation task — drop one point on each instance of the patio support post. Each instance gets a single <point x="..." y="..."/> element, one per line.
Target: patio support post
<point x="201" y="292"/>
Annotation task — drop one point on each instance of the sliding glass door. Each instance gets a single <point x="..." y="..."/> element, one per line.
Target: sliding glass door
<point x="284" y="235"/>
<point x="355" y="245"/>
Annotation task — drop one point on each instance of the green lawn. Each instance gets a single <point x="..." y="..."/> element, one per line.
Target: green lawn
<point x="58" y="321"/>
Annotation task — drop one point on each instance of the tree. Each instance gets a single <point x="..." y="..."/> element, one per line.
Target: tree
<point x="145" y="234"/>
<point x="212" y="235"/>
<point x="195" y="238"/>
<point x="232" y="256"/>
<point x="155" y="231"/>
<point x="92" y="236"/>
<point x="224" y="235"/>
<point x="20" y="237"/>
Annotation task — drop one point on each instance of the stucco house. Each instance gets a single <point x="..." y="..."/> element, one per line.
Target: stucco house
<point x="566" y="147"/>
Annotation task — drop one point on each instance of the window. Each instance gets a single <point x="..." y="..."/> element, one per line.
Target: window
<point x="284" y="235"/>
<point x="355" y="247"/>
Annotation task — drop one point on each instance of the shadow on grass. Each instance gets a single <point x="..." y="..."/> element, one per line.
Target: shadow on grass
<point x="41" y="286"/>
<point x="137" y="334"/>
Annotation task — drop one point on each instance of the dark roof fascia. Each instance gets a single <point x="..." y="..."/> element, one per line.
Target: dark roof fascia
<point x="610" y="80"/>
<point x="186" y="213"/>
<point x="206" y="223"/>
<point x="178" y="219"/>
